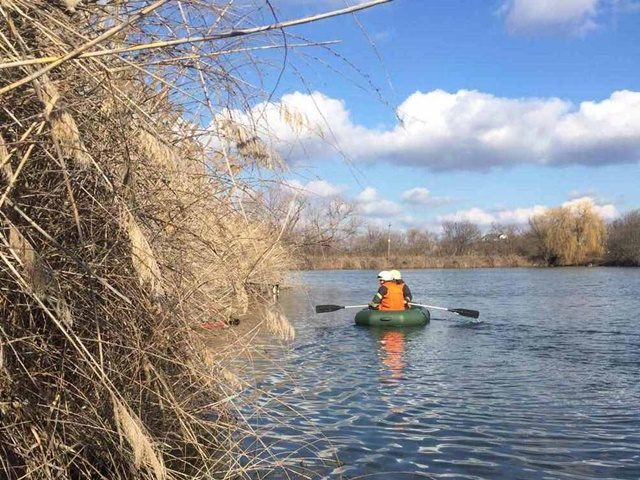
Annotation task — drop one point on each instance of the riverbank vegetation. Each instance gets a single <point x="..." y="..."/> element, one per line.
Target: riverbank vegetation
<point x="623" y="240"/>
<point x="131" y="214"/>
<point x="562" y="236"/>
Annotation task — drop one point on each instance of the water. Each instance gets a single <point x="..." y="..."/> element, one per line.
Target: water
<point x="545" y="386"/>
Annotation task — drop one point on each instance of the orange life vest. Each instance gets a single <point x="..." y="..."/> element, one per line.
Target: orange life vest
<point x="394" y="299"/>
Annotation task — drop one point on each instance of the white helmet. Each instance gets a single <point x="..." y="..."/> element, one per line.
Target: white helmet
<point x="386" y="276"/>
<point x="395" y="274"/>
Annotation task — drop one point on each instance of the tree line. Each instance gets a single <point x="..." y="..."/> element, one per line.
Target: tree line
<point x="562" y="236"/>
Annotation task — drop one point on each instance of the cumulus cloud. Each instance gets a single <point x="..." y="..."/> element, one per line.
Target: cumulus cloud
<point x="530" y="16"/>
<point x="422" y="196"/>
<point x="318" y="188"/>
<point x="520" y="216"/>
<point x="417" y="196"/>
<point x="369" y="203"/>
<point x="473" y="215"/>
<point x="368" y="195"/>
<point x="574" y="194"/>
<point x="606" y="211"/>
<point x="576" y="17"/>
<point x="465" y="130"/>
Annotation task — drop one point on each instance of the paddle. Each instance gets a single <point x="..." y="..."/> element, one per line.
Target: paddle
<point x="458" y="311"/>
<point x="333" y="308"/>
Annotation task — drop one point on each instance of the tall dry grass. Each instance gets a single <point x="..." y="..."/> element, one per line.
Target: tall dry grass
<point x="122" y="226"/>
<point x="358" y="262"/>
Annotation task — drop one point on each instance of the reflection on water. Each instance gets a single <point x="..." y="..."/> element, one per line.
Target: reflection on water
<point x="392" y="344"/>
<point x="546" y="386"/>
<point x="392" y="350"/>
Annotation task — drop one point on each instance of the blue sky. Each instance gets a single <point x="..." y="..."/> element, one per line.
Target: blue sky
<point x="486" y="111"/>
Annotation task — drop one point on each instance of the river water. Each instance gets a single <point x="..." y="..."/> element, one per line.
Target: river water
<point x="545" y="385"/>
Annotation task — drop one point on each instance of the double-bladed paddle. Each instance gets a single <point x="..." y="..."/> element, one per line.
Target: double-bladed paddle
<point x="465" y="312"/>
<point x="334" y="308"/>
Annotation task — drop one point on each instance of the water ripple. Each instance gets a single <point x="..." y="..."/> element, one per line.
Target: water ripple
<point x="549" y="392"/>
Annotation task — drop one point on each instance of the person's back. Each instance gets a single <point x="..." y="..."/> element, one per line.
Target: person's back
<point x="394" y="299"/>
<point x="390" y="294"/>
<point x="406" y="291"/>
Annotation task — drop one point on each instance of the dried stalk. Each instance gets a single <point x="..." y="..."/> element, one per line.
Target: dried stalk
<point x="172" y="43"/>
<point x="119" y="236"/>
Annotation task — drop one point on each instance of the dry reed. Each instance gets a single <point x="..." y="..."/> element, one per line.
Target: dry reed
<point x="120" y="232"/>
<point x="371" y="262"/>
<point x="117" y="237"/>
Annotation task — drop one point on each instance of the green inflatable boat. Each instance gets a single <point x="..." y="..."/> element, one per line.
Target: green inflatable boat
<point x="415" y="317"/>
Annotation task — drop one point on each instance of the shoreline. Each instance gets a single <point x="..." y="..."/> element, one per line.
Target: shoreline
<point x="412" y="262"/>
<point x="349" y="262"/>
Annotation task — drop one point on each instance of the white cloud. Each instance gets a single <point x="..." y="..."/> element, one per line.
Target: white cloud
<point x="606" y="211"/>
<point x="422" y="196"/>
<point x="319" y="188"/>
<point x="575" y="17"/>
<point x="323" y="188"/>
<point x="473" y="215"/>
<point x="573" y="194"/>
<point x="578" y="16"/>
<point x="369" y="194"/>
<point x="383" y="208"/>
<point x="520" y="216"/>
<point x="370" y="204"/>
<point x="466" y="130"/>
<point x="418" y="196"/>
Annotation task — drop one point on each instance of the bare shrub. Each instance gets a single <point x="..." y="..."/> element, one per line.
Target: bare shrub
<point x="623" y="240"/>
<point x="459" y="238"/>
<point x="120" y="233"/>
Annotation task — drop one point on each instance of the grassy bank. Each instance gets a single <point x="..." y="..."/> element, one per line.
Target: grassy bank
<point x="121" y="233"/>
<point x="346" y="262"/>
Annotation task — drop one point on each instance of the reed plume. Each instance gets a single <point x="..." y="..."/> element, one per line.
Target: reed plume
<point x="118" y="237"/>
<point x="121" y="231"/>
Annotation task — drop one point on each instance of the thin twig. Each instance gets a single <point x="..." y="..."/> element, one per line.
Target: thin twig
<point x="171" y="43"/>
<point x="78" y="51"/>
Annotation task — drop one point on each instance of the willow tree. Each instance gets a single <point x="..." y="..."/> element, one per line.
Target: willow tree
<point x="569" y="235"/>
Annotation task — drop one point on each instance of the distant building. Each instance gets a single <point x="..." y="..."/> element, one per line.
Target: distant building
<point x="495" y="237"/>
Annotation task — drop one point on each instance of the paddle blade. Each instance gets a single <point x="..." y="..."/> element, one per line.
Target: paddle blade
<point x="465" y="312"/>
<point x="328" y="308"/>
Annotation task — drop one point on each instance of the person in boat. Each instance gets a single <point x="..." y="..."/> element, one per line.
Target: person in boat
<point x="389" y="295"/>
<point x="406" y="291"/>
